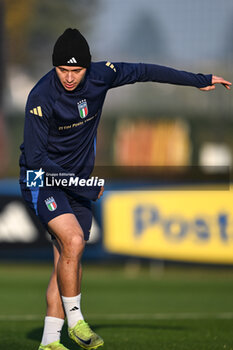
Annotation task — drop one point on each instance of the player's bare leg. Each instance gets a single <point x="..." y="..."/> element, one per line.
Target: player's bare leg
<point x="70" y="238"/>
<point x="54" y="319"/>
<point x="71" y="243"/>
<point x="55" y="312"/>
<point x="53" y="296"/>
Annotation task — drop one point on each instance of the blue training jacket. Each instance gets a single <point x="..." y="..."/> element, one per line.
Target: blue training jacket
<point x="61" y="126"/>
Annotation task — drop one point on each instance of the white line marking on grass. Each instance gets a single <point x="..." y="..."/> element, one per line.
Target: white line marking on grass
<point x="164" y="316"/>
<point x="157" y="316"/>
<point x="20" y="317"/>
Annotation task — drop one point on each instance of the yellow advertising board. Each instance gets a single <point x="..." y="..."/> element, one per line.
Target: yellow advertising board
<point x="182" y="225"/>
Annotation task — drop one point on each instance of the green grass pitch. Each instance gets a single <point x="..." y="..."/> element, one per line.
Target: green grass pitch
<point x="146" y="308"/>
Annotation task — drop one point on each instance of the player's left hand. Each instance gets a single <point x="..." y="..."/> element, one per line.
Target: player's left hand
<point x="101" y="192"/>
<point x="217" y="80"/>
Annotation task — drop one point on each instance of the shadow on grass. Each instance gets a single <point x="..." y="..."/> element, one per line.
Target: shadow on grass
<point x="135" y="326"/>
<point x="36" y="333"/>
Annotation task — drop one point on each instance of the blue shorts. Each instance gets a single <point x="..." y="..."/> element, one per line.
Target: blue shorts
<point x="48" y="203"/>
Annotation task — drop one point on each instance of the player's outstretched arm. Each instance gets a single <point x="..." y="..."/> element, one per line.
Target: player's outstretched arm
<point x="217" y="80"/>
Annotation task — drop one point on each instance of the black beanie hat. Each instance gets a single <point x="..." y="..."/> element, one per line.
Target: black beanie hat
<point x="71" y="49"/>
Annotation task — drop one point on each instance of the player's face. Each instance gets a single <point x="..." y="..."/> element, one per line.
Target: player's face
<point x="70" y="77"/>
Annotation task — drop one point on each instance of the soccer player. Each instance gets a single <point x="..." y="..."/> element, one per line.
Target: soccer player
<point x="62" y="116"/>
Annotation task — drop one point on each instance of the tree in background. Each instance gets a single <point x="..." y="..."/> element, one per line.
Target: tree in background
<point x="3" y="143"/>
<point x="145" y="39"/>
<point x="33" y="26"/>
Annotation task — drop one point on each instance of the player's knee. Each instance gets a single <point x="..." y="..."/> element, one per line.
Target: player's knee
<point x="77" y="243"/>
<point x="73" y="244"/>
